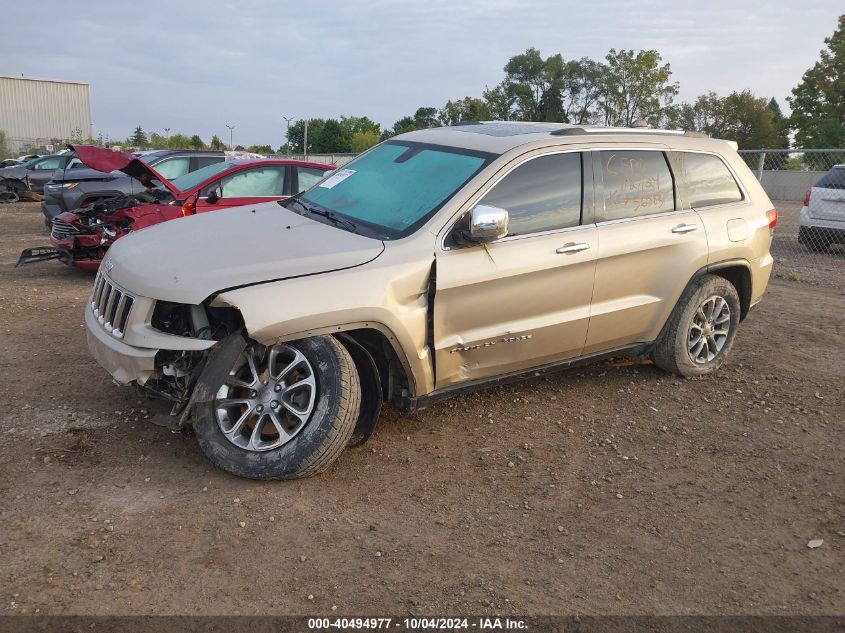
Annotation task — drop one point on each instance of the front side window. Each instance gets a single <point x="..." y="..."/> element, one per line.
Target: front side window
<point x="258" y="182"/>
<point x="50" y="163"/>
<point x="171" y="168"/>
<point x="707" y="180"/>
<point x="396" y="186"/>
<point x="308" y="177"/>
<point x="636" y="183"/>
<point x="542" y="194"/>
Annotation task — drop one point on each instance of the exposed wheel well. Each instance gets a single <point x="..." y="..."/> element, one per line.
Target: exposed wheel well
<point x="740" y="277"/>
<point x="392" y="377"/>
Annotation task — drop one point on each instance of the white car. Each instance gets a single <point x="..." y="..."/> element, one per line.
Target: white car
<point x="822" y="220"/>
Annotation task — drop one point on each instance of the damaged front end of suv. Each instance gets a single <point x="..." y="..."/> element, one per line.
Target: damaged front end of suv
<point x="187" y="333"/>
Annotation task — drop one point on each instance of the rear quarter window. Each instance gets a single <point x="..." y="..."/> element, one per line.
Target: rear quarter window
<point x="706" y="179"/>
<point x="834" y="179"/>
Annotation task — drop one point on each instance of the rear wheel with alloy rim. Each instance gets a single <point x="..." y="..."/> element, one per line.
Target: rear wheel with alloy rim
<point x="283" y="411"/>
<point x="701" y="329"/>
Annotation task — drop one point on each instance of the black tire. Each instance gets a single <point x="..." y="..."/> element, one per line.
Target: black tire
<point x="317" y="444"/>
<point x="672" y="351"/>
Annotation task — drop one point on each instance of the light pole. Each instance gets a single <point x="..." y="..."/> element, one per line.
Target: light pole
<point x="231" y="135"/>
<point x="305" y="140"/>
<point x="287" y="133"/>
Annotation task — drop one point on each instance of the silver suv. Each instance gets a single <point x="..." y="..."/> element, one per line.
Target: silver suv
<point x="822" y="217"/>
<point x="438" y="262"/>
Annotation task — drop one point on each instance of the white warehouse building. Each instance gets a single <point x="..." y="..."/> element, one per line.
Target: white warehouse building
<point x="37" y="113"/>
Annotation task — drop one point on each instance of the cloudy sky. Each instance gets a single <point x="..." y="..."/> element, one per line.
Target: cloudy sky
<point x="196" y="66"/>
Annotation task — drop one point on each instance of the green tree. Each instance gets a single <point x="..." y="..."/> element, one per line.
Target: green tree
<point x="466" y="109"/>
<point x="216" y="143"/>
<point x="583" y="84"/>
<point x="636" y="87"/>
<point x="355" y="124"/>
<point x="362" y="141"/>
<point x="740" y="117"/>
<point x="781" y="122"/>
<point x="425" y="117"/>
<point x="296" y="135"/>
<point x="499" y="103"/>
<point x="818" y="102"/>
<point x="531" y="89"/>
<point x="139" y="138"/>
<point x="157" y="140"/>
<point x="196" y="142"/>
<point x="260" y="149"/>
<point x="331" y="139"/>
<point x="179" y="141"/>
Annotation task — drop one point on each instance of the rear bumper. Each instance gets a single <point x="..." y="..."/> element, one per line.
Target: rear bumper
<point x="124" y="362"/>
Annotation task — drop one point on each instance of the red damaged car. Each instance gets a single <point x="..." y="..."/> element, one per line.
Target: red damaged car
<point x="80" y="238"/>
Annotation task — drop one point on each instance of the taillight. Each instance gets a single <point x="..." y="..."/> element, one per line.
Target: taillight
<point x="807" y="197"/>
<point x="188" y="208"/>
<point x="772" y="217"/>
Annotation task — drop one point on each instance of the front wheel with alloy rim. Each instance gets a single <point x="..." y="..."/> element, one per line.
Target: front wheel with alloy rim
<point x="701" y="329"/>
<point x="283" y="411"/>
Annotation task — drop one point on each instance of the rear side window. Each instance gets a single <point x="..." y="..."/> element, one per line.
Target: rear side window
<point x="636" y="183"/>
<point x="707" y="180"/>
<point x="834" y="179"/>
<point x="257" y="182"/>
<point x="542" y="194"/>
<point x="309" y="176"/>
<point x="171" y="168"/>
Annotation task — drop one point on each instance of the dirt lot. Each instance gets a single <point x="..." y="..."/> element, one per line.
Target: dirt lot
<point x="615" y="489"/>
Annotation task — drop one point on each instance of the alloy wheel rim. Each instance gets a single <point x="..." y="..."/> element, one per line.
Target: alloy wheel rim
<point x="267" y="398"/>
<point x="709" y="329"/>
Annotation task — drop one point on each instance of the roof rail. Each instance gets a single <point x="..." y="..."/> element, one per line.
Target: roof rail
<point x="577" y="131"/>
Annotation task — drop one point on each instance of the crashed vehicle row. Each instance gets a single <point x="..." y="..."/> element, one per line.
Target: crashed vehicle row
<point x="81" y="238"/>
<point x="31" y="175"/>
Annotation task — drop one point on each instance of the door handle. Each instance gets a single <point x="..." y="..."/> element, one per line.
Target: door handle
<point x="684" y="228"/>
<point x="572" y="248"/>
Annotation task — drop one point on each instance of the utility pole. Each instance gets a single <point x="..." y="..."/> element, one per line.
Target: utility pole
<point x="231" y="135"/>
<point x="305" y="141"/>
<point x="287" y="133"/>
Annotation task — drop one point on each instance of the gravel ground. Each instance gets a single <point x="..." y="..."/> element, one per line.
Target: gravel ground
<point x="614" y="489"/>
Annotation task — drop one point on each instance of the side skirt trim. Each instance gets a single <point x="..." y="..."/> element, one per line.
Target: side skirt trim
<point x="413" y="403"/>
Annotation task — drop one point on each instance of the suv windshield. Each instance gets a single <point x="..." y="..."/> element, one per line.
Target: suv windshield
<point x="395" y="187"/>
<point x="192" y="179"/>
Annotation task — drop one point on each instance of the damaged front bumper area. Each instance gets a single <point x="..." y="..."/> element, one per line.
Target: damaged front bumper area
<point x="44" y="254"/>
<point x="128" y="337"/>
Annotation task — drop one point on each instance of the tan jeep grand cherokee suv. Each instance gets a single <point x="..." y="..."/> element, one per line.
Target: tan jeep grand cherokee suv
<point x="439" y="261"/>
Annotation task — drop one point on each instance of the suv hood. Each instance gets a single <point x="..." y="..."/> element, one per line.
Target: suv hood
<point x="106" y="160"/>
<point x="188" y="259"/>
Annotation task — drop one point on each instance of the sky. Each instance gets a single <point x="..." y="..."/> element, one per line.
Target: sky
<point x="196" y="67"/>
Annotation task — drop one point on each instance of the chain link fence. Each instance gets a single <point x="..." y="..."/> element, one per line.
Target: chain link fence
<point x="808" y="189"/>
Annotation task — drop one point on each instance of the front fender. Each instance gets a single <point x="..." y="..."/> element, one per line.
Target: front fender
<point x="391" y="299"/>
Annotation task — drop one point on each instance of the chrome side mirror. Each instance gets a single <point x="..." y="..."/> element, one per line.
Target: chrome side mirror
<point x="487" y="223"/>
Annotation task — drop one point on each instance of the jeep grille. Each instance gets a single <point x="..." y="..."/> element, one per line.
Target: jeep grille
<point x="111" y="305"/>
